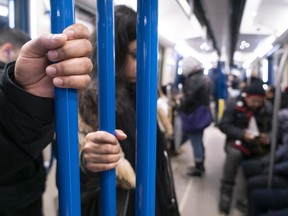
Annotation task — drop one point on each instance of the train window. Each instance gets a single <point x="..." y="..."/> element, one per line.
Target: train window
<point x="4" y="12"/>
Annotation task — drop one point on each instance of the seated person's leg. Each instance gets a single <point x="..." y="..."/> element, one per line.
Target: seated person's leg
<point x="231" y="165"/>
<point x="261" y="182"/>
<point x="252" y="168"/>
<point x="283" y="212"/>
<point x="262" y="200"/>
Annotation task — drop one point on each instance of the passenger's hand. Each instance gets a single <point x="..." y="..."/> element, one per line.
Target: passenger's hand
<point x="264" y="139"/>
<point x="102" y="150"/>
<point x="248" y="137"/>
<point x="35" y="71"/>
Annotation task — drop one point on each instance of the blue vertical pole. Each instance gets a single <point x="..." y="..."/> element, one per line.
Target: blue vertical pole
<point x="106" y="69"/>
<point x="62" y="15"/>
<point x="147" y="51"/>
<point x="222" y="91"/>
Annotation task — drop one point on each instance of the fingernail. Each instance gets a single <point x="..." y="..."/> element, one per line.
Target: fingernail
<point x="51" y="70"/>
<point x="55" y="36"/>
<point x="52" y="54"/>
<point x="119" y="132"/>
<point x="58" y="81"/>
<point x="70" y="33"/>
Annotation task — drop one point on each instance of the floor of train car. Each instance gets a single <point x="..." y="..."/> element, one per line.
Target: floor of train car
<point x="196" y="196"/>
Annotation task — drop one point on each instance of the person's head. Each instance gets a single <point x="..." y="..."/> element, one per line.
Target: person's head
<point x="125" y="42"/>
<point x="190" y="65"/>
<point x="125" y="21"/>
<point x="11" y="41"/>
<point x="255" y="95"/>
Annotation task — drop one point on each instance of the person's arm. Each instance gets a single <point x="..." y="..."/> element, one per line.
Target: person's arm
<point x="100" y="151"/>
<point x="27" y="91"/>
<point x="26" y="125"/>
<point x="227" y="123"/>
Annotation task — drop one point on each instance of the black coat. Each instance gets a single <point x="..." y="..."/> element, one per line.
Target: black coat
<point x="26" y="128"/>
<point x="166" y="203"/>
<point x="196" y="91"/>
<point x="236" y="118"/>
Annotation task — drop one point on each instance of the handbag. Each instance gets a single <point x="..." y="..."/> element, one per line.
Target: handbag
<point x="197" y="120"/>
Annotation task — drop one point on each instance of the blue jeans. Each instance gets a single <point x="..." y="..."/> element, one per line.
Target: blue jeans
<point x="198" y="146"/>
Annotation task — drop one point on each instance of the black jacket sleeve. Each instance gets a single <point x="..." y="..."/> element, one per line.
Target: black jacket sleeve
<point x="227" y="123"/>
<point x="26" y="124"/>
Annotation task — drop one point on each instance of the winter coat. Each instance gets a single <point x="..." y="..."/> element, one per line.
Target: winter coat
<point x="166" y="203"/>
<point x="26" y="128"/>
<point x="236" y="119"/>
<point x="196" y="91"/>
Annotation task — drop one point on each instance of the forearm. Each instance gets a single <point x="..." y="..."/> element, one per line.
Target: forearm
<point x="26" y="122"/>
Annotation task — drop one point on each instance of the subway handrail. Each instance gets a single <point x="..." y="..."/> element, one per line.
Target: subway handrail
<point x="106" y="83"/>
<point x="275" y="119"/>
<point x="62" y="15"/>
<point x="146" y="108"/>
<point x="66" y="114"/>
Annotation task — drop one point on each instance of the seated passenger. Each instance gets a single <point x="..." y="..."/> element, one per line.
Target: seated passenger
<point x="266" y="202"/>
<point x="256" y="171"/>
<point x="246" y="123"/>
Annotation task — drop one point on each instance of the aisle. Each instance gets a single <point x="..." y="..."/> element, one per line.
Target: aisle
<point x="199" y="196"/>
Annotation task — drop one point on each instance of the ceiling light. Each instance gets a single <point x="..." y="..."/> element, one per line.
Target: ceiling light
<point x="204" y="46"/>
<point x="244" y="45"/>
<point x="3" y="11"/>
<point x="11" y="14"/>
<point x="185" y="50"/>
<point x="265" y="70"/>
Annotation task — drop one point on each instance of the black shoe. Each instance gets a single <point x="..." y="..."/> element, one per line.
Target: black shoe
<point x="225" y="198"/>
<point x="224" y="204"/>
<point x="191" y="168"/>
<point x="241" y="205"/>
<point x="195" y="172"/>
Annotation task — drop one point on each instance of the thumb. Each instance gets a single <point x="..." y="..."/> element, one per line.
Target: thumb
<point x="39" y="47"/>
<point x="120" y="135"/>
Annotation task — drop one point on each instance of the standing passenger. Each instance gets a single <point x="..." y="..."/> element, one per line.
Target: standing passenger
<point x="27" y="112"/>
<point x="196" y="95"/>
<point x="125" y="72"/>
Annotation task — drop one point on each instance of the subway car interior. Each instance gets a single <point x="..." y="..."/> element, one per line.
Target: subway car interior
<point x="234" y="43"/>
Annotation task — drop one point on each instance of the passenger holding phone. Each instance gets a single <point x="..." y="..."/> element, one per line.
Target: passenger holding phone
<point x="246" y="123"/>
